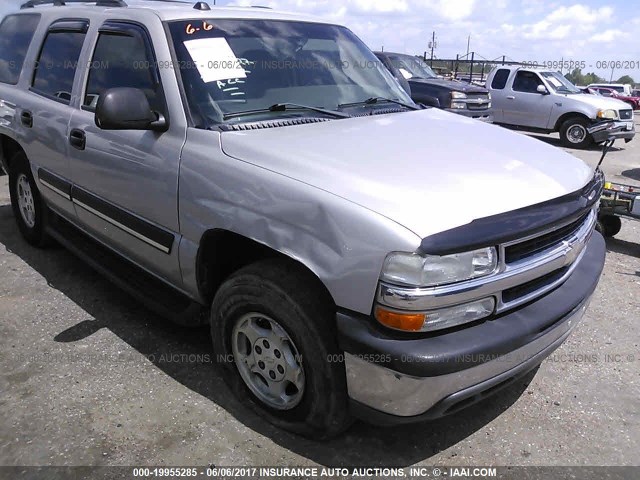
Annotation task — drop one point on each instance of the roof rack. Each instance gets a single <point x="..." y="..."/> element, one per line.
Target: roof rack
<point x="60" y="3"/>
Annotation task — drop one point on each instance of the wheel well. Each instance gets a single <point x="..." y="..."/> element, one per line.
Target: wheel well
<point x="8" y="148"/>
<point x="221" y="253"/>
<point x="567" y="116"/>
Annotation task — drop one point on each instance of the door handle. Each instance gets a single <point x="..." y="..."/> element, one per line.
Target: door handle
<point x="78" y="139"/>
<point x="511" y="97"/>
<point x="26" y="118"/>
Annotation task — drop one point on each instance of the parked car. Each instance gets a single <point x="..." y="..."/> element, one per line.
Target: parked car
<point x="300" y="205"/>
<point x="623" y="88"/>
<point x="545" y="101"/>
<point x="425" y="87"/>
<point x="635" y="93"/>
<point x="634" y="102"/>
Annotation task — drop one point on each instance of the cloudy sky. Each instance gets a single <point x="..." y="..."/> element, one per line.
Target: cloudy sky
<point x="593" y="31"/>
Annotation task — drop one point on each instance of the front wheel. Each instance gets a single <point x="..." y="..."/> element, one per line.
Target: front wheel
<point x="574" y="133"/>
<point x="274" y="337"/>
<point x="609" y="225"/>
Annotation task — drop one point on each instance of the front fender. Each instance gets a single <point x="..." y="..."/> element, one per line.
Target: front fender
<point x="564" y="108"/>
<point x="344" y="244"/>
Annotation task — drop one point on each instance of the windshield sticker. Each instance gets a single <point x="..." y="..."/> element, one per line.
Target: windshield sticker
<point x="405" y="73"/>
<point x="214" y="59"/>
<point x="191" y="29"/>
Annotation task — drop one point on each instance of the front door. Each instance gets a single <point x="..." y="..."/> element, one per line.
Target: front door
<point x="525" y="105"/>
<point x="126" y="182"/>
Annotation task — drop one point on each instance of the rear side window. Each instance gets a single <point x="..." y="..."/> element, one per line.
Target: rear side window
<point x="16" y="33"/>
<point x="123" y="60"/>
<point x="500" y="79"/>
<point x="57" y="64"/>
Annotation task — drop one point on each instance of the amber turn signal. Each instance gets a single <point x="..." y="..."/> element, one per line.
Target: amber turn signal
<point x="410" y="322"/>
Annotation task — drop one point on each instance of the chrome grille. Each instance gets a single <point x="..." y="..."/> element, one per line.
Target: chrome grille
<point x="626" y="114"/>
<point x="516" y="252"/>
<point x="477" y="101"/>
<point x="511" y="294"/>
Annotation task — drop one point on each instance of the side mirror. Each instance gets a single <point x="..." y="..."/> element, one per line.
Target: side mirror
<point x="430" y="101"/>
<point x="127" y="109"/>
<point x="542" y="89"/>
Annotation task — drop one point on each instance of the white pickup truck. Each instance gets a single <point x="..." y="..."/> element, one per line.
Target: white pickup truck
<point x="545" y="101"/>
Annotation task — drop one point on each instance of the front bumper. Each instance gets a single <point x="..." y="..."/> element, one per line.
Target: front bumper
<point x="393" y="377"/>
<point x="622" y="129"/>
<point x="482" y="115"/>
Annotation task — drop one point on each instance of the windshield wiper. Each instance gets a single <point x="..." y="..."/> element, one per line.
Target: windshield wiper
<point x="374" y="100"/>
<point x="284" y="107"/>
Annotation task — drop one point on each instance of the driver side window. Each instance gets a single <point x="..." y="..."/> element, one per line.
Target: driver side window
<point x="526" y="82"/>
<point x="122" y="59"/>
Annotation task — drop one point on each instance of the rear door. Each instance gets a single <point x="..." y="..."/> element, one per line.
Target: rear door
<point x="126" y="182"/>
<point x="46" y="114"/>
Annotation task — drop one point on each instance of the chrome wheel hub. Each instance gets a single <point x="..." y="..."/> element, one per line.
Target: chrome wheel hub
<point x="268" y="361"/>
<point x="577" y="133"/>
<point x="25" y="201"/>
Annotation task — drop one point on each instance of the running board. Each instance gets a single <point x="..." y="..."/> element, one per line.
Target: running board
<point x="153" y="293"/>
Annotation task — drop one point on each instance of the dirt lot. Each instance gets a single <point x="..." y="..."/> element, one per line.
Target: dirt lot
<point x="90" y="377"/>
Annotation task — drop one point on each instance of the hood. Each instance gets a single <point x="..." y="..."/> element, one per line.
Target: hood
<point x="450" y="85"/>
<point x="428" y="170"/>
<point x="600" y="102"/>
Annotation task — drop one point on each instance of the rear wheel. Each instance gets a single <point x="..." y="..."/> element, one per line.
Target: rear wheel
<point x="574" y="133"/>
<point x="274" y="337"/>
<point x="609" y="225"/>
<point x="28" y="207"/>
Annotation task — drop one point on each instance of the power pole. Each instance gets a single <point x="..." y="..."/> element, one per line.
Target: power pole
<point x="468" y="43"/>
<point x="432" y="46"/>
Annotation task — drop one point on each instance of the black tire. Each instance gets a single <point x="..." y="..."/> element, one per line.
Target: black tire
<point x="569" y="129"/>
<point x="35" y="233"/>
<point x="293" y="297"/>
<point x="609" y="225"/>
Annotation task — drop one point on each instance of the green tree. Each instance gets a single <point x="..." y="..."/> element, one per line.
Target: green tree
<point x="626" y="79"/>
<point x="575" y="77"/>
<point x="578" y="78"/>
<point x="590" y="78"/>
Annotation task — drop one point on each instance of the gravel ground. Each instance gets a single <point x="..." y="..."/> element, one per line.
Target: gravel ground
<point x="90" y="377"/>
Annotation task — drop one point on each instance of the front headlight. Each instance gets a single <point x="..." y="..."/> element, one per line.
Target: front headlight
<point x="458" y="95"/>
<point x="415" y="270"/>
<point x="607" y="114"/>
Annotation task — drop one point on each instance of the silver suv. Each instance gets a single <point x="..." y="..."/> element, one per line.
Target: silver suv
<point x="261" y="172"/>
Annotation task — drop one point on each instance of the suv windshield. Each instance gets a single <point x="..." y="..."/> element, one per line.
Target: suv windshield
<point x="412" y="67"/>
<point x="231" y="66"/>
<point x="559" y="83"/>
